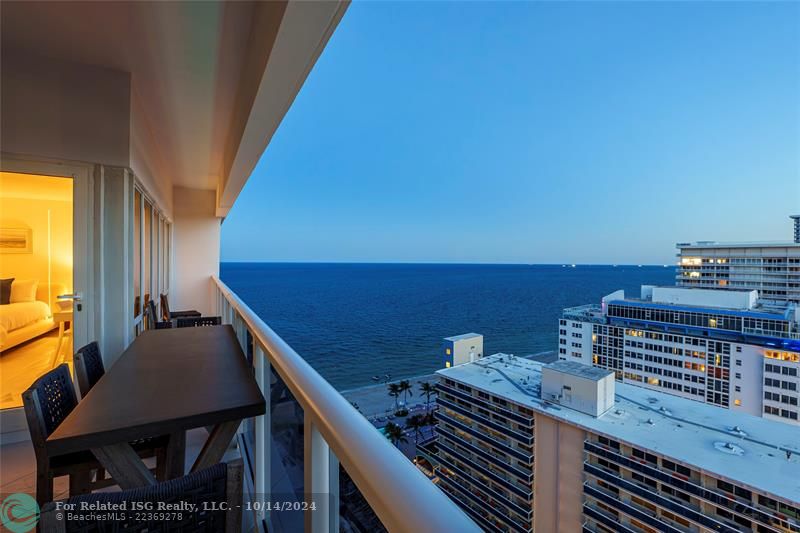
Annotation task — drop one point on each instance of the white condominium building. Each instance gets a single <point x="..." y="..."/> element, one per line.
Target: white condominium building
<point x="563" y="447"/>
<point x="725" y="348"/>
<point x="771" y="268"/>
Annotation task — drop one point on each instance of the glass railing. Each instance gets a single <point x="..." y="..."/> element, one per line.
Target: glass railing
<point x="526" y="421"/>
<point x="482" y="502"/>
<point x="313" y="452"/>
<point x="502" y="428"/>
<point x="507" y="482"/>
<point x="495" y="459"/>
<point x="467" y="477"/>
<point x="606" y="519"/>
<point x="614" y="502"/>
<point x="503" y="445"/>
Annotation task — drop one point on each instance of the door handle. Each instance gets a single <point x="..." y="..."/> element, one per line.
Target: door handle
<point x="75" y="297"/>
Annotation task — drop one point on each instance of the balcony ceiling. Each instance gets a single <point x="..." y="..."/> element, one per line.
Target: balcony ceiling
<point x="201" y="72"/>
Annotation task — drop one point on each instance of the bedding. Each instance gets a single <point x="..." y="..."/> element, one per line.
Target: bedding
<point x="15" y="316"/>
<point x="23" y="321"/>
<point x="23" y="291"/>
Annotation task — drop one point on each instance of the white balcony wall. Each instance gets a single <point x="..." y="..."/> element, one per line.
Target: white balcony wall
<point x="196" y="250"/>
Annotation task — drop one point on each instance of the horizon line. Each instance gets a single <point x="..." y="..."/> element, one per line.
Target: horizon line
<point x="455" y="263"/>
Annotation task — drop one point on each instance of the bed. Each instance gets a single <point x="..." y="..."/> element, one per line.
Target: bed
<point x="23" y="321"/>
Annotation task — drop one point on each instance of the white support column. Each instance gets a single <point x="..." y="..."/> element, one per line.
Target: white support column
<point x="316" y="469"/>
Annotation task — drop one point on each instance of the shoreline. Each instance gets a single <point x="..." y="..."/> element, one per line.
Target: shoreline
<point x="432" y="375"/>
<point x="375" y="404"/>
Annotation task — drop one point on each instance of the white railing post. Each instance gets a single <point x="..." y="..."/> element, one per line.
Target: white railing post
<point x="333" y="487"/>
<point x="263" y="452"/>
<point x="316" y="471"/>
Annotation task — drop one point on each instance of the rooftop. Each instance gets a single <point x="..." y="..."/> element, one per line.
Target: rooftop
<point x="691" y="432"/>
<point x="771" y="313"/>
<point x="740" y="244"/>
<point x="578" y="369"/>
<point x="462" y="337"/>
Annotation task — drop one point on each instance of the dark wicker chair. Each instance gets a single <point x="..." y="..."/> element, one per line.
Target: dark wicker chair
<point x="47" y="403"/>
<point x="204" y="488"/>
<point x="89" y="367"/>
<point x="166" y="314"/>
<point x="200" y="321"/>
<point x="150" y="317"/>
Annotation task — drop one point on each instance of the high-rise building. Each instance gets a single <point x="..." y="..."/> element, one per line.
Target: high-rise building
<point x="564" y="448"/>
<point x="726" y="348"/>
<point x="772" y="268"/>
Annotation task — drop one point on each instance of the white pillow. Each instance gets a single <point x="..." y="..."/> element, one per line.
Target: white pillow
<point x="23" y="290"/>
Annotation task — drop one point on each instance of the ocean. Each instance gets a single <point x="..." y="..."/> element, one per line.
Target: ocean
<point x="355" y="321"/>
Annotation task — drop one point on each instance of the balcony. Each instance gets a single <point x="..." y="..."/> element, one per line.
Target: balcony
<point x="745" y="510"/>
<point x="329" y="436"/>
<point x="311" y="444"/>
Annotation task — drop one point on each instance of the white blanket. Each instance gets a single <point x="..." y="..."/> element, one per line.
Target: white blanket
<point x="15" y="316"/>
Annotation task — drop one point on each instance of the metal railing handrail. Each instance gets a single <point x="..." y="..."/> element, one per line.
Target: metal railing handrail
<point x="400" y="495"/>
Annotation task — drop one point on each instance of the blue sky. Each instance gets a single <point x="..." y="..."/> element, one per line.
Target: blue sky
<point x="559" y="132"/>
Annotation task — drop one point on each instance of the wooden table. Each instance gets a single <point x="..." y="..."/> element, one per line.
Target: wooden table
<point x="166" y="382"/>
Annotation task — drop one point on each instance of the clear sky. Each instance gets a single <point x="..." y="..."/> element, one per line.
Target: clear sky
<point x="560" y="132"/>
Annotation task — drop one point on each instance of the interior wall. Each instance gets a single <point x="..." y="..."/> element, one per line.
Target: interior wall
<point x="196" y="231"/>
<point x="32" y="213"/>
<point x="63" y="110"/>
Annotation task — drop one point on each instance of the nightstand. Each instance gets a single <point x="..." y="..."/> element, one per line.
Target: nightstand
<point x="61" y="318"/>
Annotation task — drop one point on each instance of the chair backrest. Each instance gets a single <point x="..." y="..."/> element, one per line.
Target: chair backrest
<point x="204" y="488"/>
<point x="47" y="403"/>
<point x="150" y="315"/>
<point x="199" y="321"/>
<point x="88" y="367"/>
<point x="164" y="307"/>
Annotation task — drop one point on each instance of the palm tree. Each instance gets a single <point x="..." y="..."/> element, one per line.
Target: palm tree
<point x="394" y="433"/>
<point x="405" y="388"/>
<point x="430" y="420"/>
<point x="394" y="391"/>
<point x="427" y="389"/>
<point x="415" y="422"/>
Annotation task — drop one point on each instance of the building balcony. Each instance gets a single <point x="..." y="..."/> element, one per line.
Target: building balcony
<point x="311" y="443"/>
<point x="746" y="510"/>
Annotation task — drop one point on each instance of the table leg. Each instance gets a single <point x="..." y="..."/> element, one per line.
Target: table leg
<point x="176" y="455"/>
<point x="60" y="339"/>
<point x="124" y="465"/>
<point x="215" y="446"/>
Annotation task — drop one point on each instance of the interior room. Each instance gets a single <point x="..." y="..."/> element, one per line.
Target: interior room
<point x="36" y="267"/>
